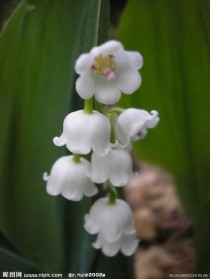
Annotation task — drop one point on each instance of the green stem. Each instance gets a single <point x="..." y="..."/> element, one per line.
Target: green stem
<point x="88" y="107"/>
<point x="118" y="111"/>
<point x="112" y="117"/>
<point x="112" y="194"/>
<point x="76" y="158"/>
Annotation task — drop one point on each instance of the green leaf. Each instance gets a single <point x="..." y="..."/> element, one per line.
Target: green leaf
<point x="13" y="262"/>
<point x="173" y="36"/>
<point x="38" y="48"/>
<point x="79" y="252"/>
<point x="202" y="239"/>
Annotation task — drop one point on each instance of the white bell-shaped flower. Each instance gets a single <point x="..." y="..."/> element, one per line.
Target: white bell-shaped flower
<point x="70" y="179"/>
<point x="126" y="243"/>
<point x="133" y="123"/>
<point x="115" y="166"/>
<point x="83" y="132"/>
<point x="110" y="220"/>
<point x="107" y="71"/>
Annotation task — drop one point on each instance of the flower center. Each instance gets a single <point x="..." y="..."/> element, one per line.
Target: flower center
<point x="104" y="65"/>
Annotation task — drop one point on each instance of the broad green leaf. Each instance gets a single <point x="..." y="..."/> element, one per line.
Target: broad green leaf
<point x="79" y="252"/>
<point x="174" y="39"/>
<point x="12" y="262"/>
<point x="38" y="48"/>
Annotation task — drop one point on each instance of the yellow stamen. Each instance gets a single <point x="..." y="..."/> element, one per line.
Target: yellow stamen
<point x="104" y="65"/>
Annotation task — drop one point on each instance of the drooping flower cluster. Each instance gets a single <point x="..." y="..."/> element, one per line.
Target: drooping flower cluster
<point x="104" y="73"/>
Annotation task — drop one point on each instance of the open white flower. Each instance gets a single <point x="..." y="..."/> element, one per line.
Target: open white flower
<point x="127" y="243"/>
<point x="133" y="123"/>
<point x="111" y="221"/>
<point x="107" y="71"/>
<point x="70" y="179"/>
<point x="115" y="166"/>
<point x="83" y="132"/>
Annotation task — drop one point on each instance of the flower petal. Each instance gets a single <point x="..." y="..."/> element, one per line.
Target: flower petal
<point x="53" y="189"/>
<point x="135" y="59"/>
<point x="100" y="134"/>
<point x="99" y="168"/>
<point x="129" y="244"/>
<point x="110" y="249"/>
<point x="110" y="230"/>
<point x="136" y="127"/>
<point x="83" y="63"/>
<point x="97" y="244"/>
<point x="90" y="224"/>
<point x="90" y="189"/>
<point x="46" y="176"/>
<point x="109" y="47"/>
<point x="59" y="141"/>
<point x="114" y="220"/>
<point x="72" y="196"/>
<point x="121" y="167"/>
<point x="115" y="166"/>
<point x="129" y="80"/>
<point x="85" y="85"/>
<point x="107" y="91"/>
<point x="126" y="243"/>
<point x="152" y="123"/>
<point x="122" y="135"/>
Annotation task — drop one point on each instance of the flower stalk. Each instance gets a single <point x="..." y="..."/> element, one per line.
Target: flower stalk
<point x="88" y="107"/>
<point x="112" y="117"/>
<point x="76" y="158"/>
<point x="112" y="194"/>
<point x="116" y="110"/>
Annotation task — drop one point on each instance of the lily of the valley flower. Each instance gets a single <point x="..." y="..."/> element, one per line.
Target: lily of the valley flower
<point x="111" y="221"/>
<point x="127" y="243"/>
<point x="70" y="179"/>
<point x="115" y="166"/>
<point x="114" y="225"/>
<point x="83" y="132"/>
<point x="133" y="123"/>
<point x="107" y="71"/>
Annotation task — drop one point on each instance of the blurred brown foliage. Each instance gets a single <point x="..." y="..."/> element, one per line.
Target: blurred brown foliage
<point x="165" y="230"/>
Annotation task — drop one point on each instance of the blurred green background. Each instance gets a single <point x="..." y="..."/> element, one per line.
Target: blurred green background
<point x="40" y="40"/>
